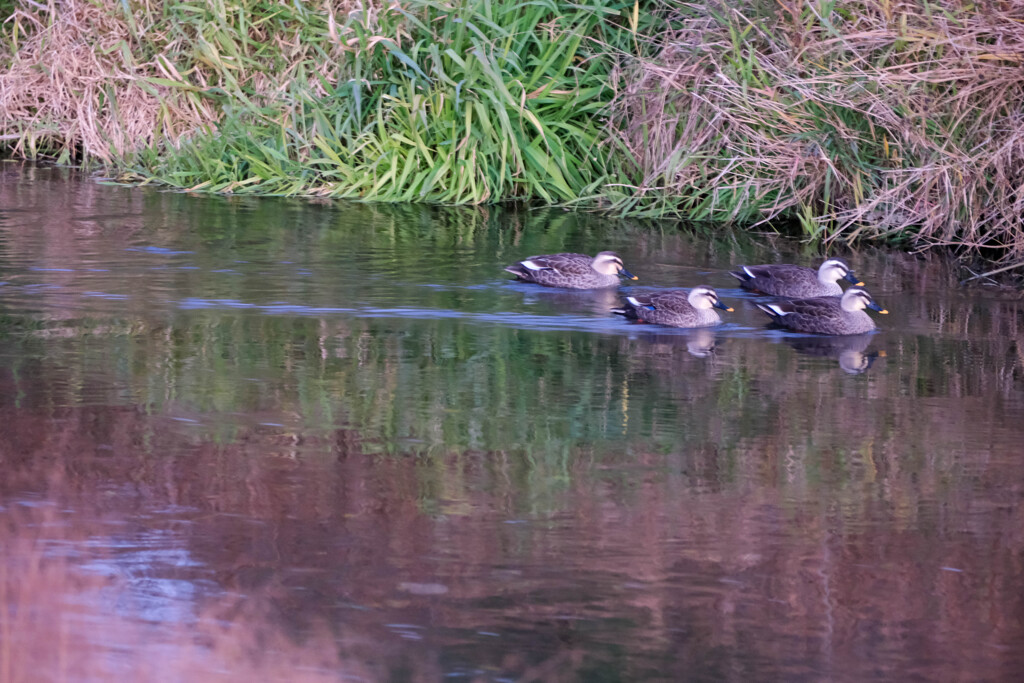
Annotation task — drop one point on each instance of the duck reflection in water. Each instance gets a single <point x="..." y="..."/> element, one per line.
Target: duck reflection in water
<point x="699" y="341"/>
<point x="851" y="350"/>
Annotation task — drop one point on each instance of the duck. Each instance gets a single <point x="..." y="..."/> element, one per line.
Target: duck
<point x="796" y="282"/>
<point x="575" y="271"/>
<point x="826" y="314"/>
<point x="675" y="307"/>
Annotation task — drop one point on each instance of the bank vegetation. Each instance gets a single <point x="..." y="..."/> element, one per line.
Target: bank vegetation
<point x="869" y="119"/>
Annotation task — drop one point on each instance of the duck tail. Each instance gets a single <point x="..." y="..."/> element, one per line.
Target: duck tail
<point x="626" y="311"/>
<point x="740" y="275"/>
<point x="517" y="269"/>
<point x="629" y="308"/>
<point x="772" y="313"/>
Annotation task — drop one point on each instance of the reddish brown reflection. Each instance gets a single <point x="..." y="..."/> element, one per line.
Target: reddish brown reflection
<point x="123" y="545"/>
<point x="202" y="491"/>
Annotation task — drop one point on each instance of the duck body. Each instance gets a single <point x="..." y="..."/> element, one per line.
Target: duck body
<point x="798" y="282"/>
<point x="575" y="271"/>
<point x="826" y="314"/>
<point x="675" y="307"/>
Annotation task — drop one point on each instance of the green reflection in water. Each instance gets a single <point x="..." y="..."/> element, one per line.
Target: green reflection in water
<point x="357" y="396"/>
<point x="399" y="323"/>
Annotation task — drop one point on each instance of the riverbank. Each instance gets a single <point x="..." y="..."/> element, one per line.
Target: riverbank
<point x="859" y="120"/>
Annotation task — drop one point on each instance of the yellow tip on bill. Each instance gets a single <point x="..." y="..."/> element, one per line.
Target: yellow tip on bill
<point x="881" y="354"/>
<point x="634" y="278"/>
<point x="729" y="310"/>
<point x="859" y="284"/>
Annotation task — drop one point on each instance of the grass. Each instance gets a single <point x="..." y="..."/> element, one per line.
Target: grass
<point x="852" y="119"/>
<point x="424" y="101"/>
<point x="459" y="105"/>
<point x="882" y="119"/>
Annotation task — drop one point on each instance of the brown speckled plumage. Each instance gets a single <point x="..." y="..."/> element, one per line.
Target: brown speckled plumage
<point x="575" y="271"/>
<point x="675" y="307"/>
<point x="798" y="282"/>
<point x="826" y="314"/>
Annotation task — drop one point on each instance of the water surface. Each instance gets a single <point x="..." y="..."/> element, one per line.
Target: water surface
<point x="271" y="439"/>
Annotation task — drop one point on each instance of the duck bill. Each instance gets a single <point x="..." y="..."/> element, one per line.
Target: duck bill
<point x="875" y="307"/>
<point x="719" y="304"/>
<point x="626" y="274"/>
<point x="851" y="278"/>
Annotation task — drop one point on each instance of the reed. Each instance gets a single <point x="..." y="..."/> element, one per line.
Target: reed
<point x="882" y="119"/>
<point x="869" y="118"/>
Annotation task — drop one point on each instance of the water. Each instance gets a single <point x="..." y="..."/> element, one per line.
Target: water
<point x="269" y="439"/>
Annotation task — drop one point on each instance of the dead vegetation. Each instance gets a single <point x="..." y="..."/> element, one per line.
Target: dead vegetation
<point x="74" y="87"/>
<point x="856" y="118"/>
<point x="85" y="81"/>
<point x="877" y="118"/>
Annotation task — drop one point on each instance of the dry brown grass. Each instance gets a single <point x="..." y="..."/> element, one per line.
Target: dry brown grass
<point x="861" y="118"/>
<point x="74" y="84"/>
<point x="89" y="80"/>
<point x="879" y="118"/>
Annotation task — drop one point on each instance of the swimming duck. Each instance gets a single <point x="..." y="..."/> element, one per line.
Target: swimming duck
<point x="675" y="307"/>
<point x="826" y="314"/>
<point x="576" y="271"/>
<point x="798" y="282"/>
